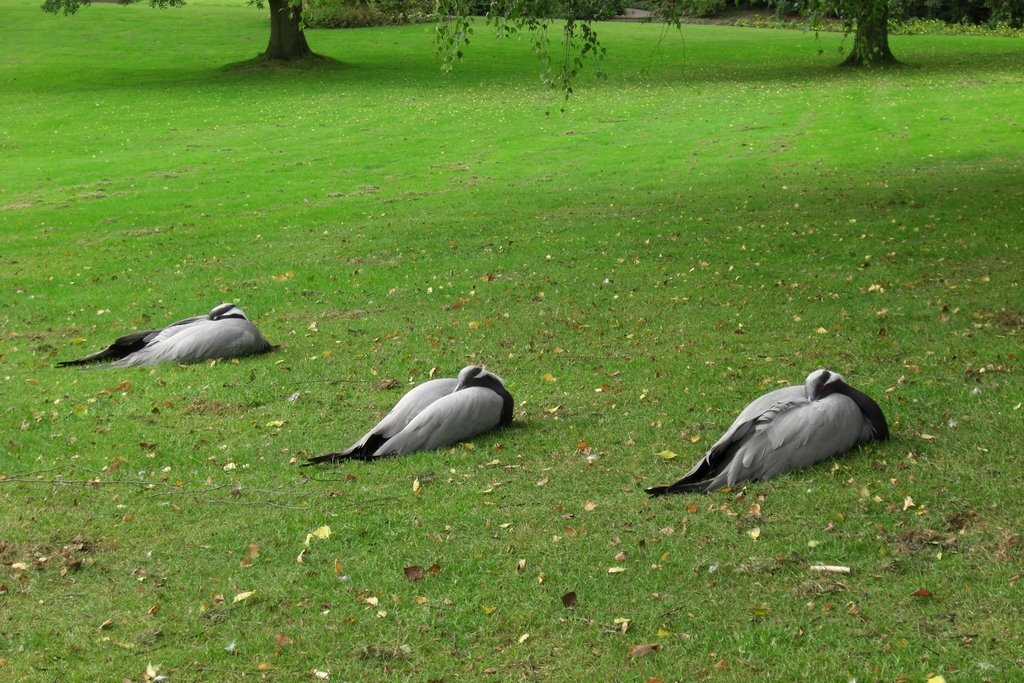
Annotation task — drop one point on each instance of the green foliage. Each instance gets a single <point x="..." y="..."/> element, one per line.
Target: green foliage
<point x="360" y="13"/>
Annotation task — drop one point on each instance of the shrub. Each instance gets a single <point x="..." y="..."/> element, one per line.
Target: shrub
<point x="361" y="13"/>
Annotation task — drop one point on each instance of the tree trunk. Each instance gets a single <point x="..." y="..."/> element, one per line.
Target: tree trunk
<point x="871" y="40"/>
<point x="287" y="41"/>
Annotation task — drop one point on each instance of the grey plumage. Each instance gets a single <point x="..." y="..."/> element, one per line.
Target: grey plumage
<point x="225" y="332"/>
<point x="786" y="430"/>
<point x="437" y="413"/>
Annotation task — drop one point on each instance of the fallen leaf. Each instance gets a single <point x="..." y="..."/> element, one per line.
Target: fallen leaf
<point x="520" y="565"/>
<point x="542" y="482"/>
<point x="922" y="593"/>
<point x="755" y="533"/>
<point x="106" y="624"/>
<point x="282" y="639"/>
<point x="664" y="633"/>
<point x="616" y="570"/>
<point x="692" y="507"/>
<point x="242" y="596"/>
<point x="937" y="679"/>
<point x="372" y="601"/>
<point x="754" y="510"/>
<point x="420" y="600"/>
<point x="590" y="506"/>
<point x="927" y="437"/>
<point x="721" y="664"/>
<point x="908" y="502"/>
<point x="523" y="638"/>
<point x="337" y="567"/>
<point x="263" y="666"/>
<point x="322" y="675"/>
<point x="275" y="423"/>
<point x="569" y="599"/>
<point x="620" y="556"/>
<point x="548" y="377"/>
<point x="417" y="488"/>
<point x="414" y="573"/>
<point x="489" y="610"/>
<point x="254" y="550"/>
<point x="666" y="454"/>
<point x="641" y="650"/>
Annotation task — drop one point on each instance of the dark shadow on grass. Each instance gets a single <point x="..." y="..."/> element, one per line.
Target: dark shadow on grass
<point x="260" y="65"/>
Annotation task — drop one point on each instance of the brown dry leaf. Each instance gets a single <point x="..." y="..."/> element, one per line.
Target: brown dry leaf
<point x="542" y="482"/>
<point x="244" y="562"/>
<point x="337" y="567"/>
<point x="434" y="568"/>
<point x="263" y="666"/>
<point x="721" y="664"/>
<point x="569" y="599"/>
<point x="616" y="570"/>
<point x="548" y="377"/>
<point x="414" y="573"/>
<point x="620" y="556"/>
<point x="371" y="601"/>
<point x="641" y="650"/>
<point x="692" y="507"/>
<point x="590" y="506"/>
<point x="106" y="624"/>
<point x="922" y="593"/>
<point x="521" y="564"/>
<point x="153" y="610"/>
<point x="282" y="639"/>
<point x="754" y="510"/>
<point x="254" y="550"/>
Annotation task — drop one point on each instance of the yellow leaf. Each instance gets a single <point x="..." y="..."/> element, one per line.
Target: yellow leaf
<point x="275" y="423"/>
<point x="322" y="532"/>
<point x="421" y="600"/>
<point x="821" y="330"/>
<point x="552" y="411"/>
<point x="417" y="488"/>
<point x="694" y="438"/>
<point x="616" y="570"/>
<point x="372" y="601"/>
<point x="474" y="325"/>
<point x="908" y="502"/>
<point x="937" y="679"/>
<point x="263" y="666"/>
<point x="664" y="633"/>
<point x="242" y="596"/>
<point x="666" y="455"/>
<point x="522" y="638"/>
<point x="927" y="437"/>
<point x="548" y="377"/>
<point x="755" y="533"/>
<point x="490" y="610"/>
<point x="590" y="506"/>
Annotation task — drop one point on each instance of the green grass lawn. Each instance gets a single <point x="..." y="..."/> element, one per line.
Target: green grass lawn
<point x="725" y="213"/>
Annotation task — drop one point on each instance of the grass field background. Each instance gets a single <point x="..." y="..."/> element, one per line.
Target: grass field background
<point x="726" y="212"/>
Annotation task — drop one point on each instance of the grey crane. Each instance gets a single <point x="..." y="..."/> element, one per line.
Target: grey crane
<point x="434" y="414"/>
<point x="786" y="430"/>
<point x="225" y="332"/>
